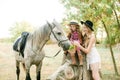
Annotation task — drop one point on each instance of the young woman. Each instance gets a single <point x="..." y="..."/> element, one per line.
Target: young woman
<point x="93" y="57"/>
<point x="75" y="35"/>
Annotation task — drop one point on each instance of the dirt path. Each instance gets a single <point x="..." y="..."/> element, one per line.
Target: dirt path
<point x="7" y="60"/>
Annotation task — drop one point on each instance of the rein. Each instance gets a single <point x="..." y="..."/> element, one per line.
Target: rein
<point x="54" y="55"/>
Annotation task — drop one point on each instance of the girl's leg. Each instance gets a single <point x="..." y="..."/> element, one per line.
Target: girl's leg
<point x="80" y="57"/>
<point x="95" y="71"/>
<point x="72" y="54"/>
<point x="73" y="58"/>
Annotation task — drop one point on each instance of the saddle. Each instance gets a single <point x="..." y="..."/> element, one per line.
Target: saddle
<point x="20" y="43"/>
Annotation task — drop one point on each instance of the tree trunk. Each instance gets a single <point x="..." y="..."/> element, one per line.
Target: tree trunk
<point x="110" y="46"/>
<point x="68" y="72"/>
<point x="116" y="17"/>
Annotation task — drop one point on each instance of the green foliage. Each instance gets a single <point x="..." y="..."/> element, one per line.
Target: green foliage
<point x="95" y="11"/>
<point x="18" y="28"/>
<point x="115" y="35"/>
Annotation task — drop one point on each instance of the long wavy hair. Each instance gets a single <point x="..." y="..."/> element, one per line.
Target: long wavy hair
<point x="79" y="33"/>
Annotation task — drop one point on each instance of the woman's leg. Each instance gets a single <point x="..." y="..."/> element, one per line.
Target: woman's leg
<point x="95" y="71"/>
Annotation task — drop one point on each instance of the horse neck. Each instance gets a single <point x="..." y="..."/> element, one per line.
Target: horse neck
<point x="40" y="37"/>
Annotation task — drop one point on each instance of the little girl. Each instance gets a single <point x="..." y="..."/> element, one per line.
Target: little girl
<point x="75" y="35"/>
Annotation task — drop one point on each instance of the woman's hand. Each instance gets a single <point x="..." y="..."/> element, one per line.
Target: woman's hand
<point x="76" y="43"/>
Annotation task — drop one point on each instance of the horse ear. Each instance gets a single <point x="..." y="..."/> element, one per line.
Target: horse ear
<point x="48" y="23"/>
<point x="54" y="21"/>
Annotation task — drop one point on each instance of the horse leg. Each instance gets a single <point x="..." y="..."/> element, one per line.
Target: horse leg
<point x="38" y="71"/>
<point x="27" y="75"/>
<point x="38" y="75"/>
<point x="17" y="69"/>
<point x="27" y="66"/>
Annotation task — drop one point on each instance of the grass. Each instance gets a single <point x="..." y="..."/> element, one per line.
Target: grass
<point x="107" y="68"/>
<point x="50" y="65"/>
<point x="107" y="62"/>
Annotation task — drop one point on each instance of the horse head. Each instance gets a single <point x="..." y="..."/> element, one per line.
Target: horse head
<point x="59" y="35"/>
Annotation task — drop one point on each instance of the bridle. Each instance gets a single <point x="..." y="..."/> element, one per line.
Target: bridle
<point x="59" y="41"/>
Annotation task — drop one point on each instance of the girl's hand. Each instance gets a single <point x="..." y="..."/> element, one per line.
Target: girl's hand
<point x="72" y="49"/>
<point x="76" y="43"/>
<point x="72" y="42"/>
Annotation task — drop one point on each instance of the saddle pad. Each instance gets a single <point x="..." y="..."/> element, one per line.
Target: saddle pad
<point x="15" y="45"/>
<point x="22" y="41"/>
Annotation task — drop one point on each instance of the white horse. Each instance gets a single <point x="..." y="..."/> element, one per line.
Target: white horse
<point x="34" y="53"/>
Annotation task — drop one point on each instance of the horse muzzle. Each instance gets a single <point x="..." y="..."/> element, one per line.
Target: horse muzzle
<point x="65" y="45"/>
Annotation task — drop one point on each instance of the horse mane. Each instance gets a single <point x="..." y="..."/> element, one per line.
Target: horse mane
<point x="39" y="37"/>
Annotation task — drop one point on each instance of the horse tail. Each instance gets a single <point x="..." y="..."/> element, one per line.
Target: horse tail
<point x="23" y="65"/>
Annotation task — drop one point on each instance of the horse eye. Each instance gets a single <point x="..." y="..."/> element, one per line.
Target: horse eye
<point x="59" y="33"/>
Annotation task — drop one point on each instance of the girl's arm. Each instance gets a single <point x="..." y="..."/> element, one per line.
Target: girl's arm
<point x="69" y="35"/>
<point x="91" y="42"/>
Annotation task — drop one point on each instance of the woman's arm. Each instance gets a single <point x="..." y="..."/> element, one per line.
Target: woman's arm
<point x="86" y="50"/>
<point x="80" y="37"/>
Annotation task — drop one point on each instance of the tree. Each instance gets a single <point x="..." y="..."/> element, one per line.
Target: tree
<point x="18" y="28"/>
<point x="108" y="36"/>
